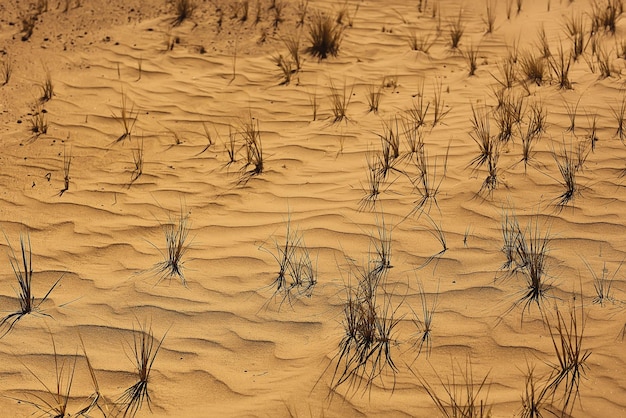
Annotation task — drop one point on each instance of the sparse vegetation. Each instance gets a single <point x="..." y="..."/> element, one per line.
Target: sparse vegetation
<point x="176" y="232"/>
<point x="183" y="10"/>
<point x="144" y="350"/>
<point x="325" y="36"/>
<point x="339" y="100"/>
<point x="23" y="270"/>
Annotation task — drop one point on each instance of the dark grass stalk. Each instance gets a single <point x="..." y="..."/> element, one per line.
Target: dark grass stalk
<point x="374" y="186"/>
<point x="568" y="167"/>
<point x="391" y="137"/>
<point x="231" y="146"/>
<point x="605" y="14"/>
<point x="492" y="180"/>
<point x="56" y="403"/>
<point x="422" y="340"/>
<point x="138" y="159"/>
<point x="292" y="43"/>
<point x="324" y="36"/>
<point x="314" y="104"/>
<point x="571" y="365"/>
<point x="127" y="118"/>
<point x="604" y="59"/>
<point x="428" y="180"/>
<point x="67" y="162"/>
<point x="183" y="10"/>
<point x="512" y="235"/>
<point x="572" y="112"/>
<point x="365" y="351"/>
<point x="413" y="135"/>
<point x="207" y="135"/>
<point x="532" y="67"/>
<point x="251" y="135"/>
<point x="509" y="9"/>
<point x="286" y="67"/>
<point x="439" y="111"/>
<point x="507" y="76"/>
<point x="603" y="284"/>
<point x="340" y="100"/>
<point x="420" y="42"/>
<point x="380" y="257"/>
<point x="471" y="57"/>
<point x="374" y="94"/>
<point x="490" y="19"/>
<point x="437" y="232"/>
<point x="297" y="274"/>
<point x="38" y="121"/>
<point x="96" y="397"/>
<point x="419" y="108"/>
<point x="509" y="115"/>
<point x="575" y="27"/>
<point x="481" y="134"/>
<point x="592" y="134"/>
<point x="23" y="270"/>
<point x="544" y="45"/>
<point x="535" y="396"/>
<point x="278" y="10"/>
<point x="560" y="66"/>
<point x="532" y="250"/>
<point x="176" y="232"/>
<point x="619" y="115"/>
<point x="456" y="30"/>
<point x="519" y="4"/>
<point x="459" y="397"/>
<point x="144" y="351"/>
<point x="529" y="140"/>
<point x="385" y="161"/>
<point x="302" y="11"/>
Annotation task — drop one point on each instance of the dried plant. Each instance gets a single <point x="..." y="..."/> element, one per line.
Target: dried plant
<point x="490" y="20"/>
<point x="6" y="69"/>
<point x="619" y="115"/>
<point x="176" y="232"/>
<point x="67" y="161"/>
<point x="422" y="340"/>
<point x="471" y="57"/>
<point x="23" y="271"/>
<point x="420" y="42"/>
<point x="325" y="36"/>
<point x="560" y="66"/>
<point x="127" y="118"/>
<point x="184" y="10"/>
<point x="571" y="366"/>
<point x="144" y="351"/>
<point x="374" y="93"/>
<point x="340" y="99"/>
<point x="439" y="110"/>
<point x="456" y="30"/>
<point x="460" y="398"/>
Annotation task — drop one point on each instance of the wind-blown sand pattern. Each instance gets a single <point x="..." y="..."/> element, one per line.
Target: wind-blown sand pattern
<point x="235" y="345"/>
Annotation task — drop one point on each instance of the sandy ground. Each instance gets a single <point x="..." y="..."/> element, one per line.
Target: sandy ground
<point x="234" y="345"/>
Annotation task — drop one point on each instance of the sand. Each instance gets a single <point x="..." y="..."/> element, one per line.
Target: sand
<point x="232" y="344"/>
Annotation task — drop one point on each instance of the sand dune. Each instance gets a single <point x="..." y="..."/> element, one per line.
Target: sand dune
<point x="132" y="87"/>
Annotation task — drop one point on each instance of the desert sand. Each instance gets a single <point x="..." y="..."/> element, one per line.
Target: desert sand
<point x="131" y="87"/>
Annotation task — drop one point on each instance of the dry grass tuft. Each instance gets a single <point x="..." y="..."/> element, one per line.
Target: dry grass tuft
<point x="325" y="36"/>
<point x="144" y="349"/>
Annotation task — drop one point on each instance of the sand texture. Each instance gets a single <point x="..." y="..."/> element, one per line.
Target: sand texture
<point x="190" y="128"/>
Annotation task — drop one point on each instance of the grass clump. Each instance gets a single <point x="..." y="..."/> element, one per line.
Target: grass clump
<point x="176" y="232"/>
<point x="22" y="267"/>
<point x="38" y="121"/>
<point x="571" y="365"/>
<point x="456" y="30"/>
<point x="325" y="36"/>
<point x="144" y="350"/>
<point x="423" y="338"/>
<point x="297" y="275"/>
<point x="460" y="398"/>
<point x="127" y="118"/>
<point x="340" y="100"/>
<point x="183" y="10"/>
<point x="67" y="161"/>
